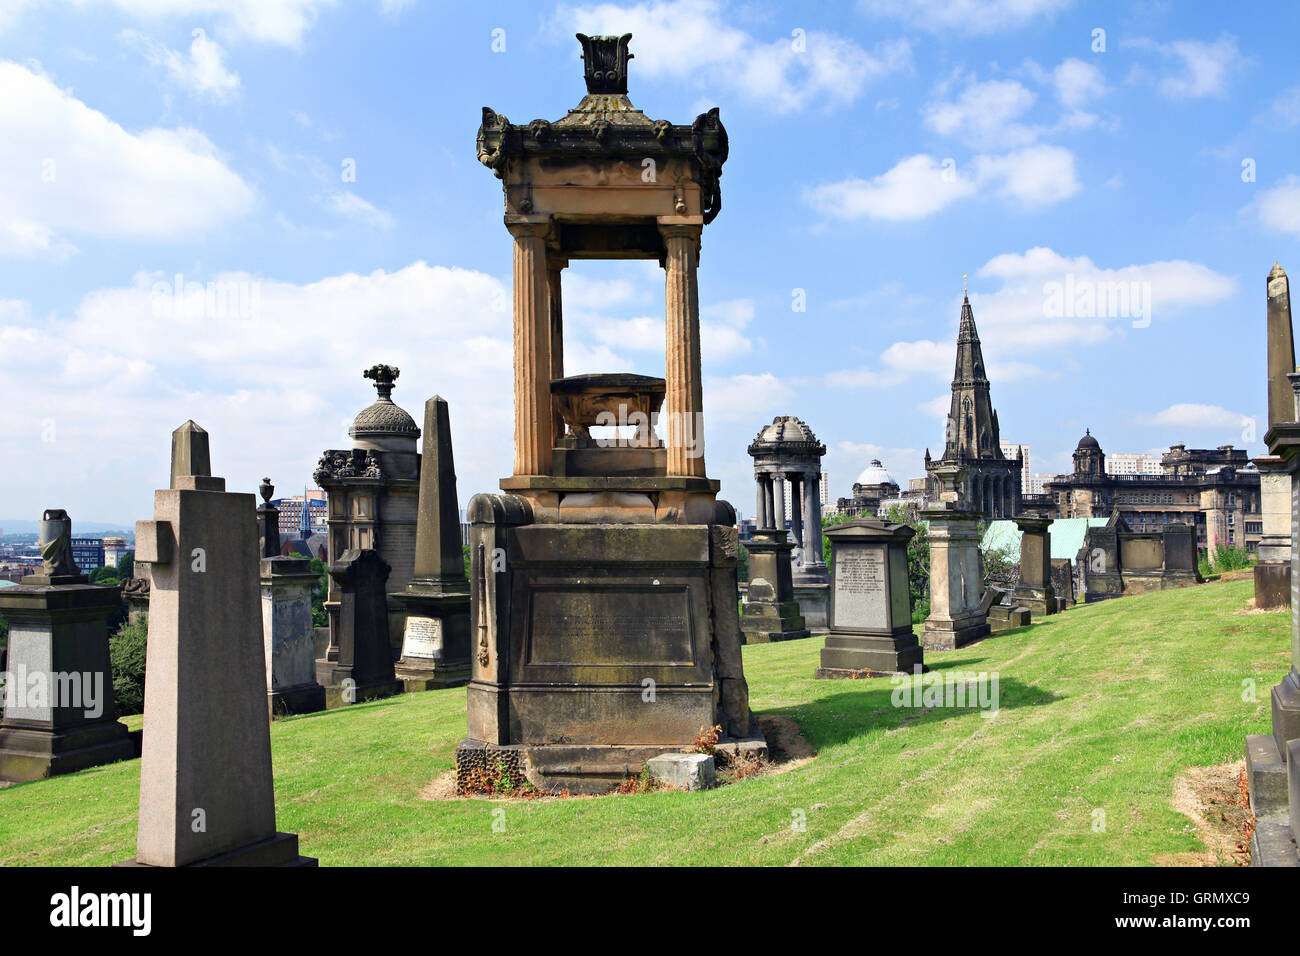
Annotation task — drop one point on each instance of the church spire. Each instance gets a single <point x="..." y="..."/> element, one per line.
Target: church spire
<point x="970" y="357"/>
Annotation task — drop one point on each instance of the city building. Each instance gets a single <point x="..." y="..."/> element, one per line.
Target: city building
<point x="1216" y="491"/>
<point x="1011" y="449"/>
<point x="874" y="485"/>
<point x="88" y="553"/>
<point x="114" y="550"/>
<point x="291" y="512"/>
<point x="1130" y="463"/>
<point x="972" y="436"/>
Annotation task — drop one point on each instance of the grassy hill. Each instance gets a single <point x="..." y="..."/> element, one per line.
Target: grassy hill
<point x="1103" y="708"/>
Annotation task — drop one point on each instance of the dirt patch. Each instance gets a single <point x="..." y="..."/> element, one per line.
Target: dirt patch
<point x="440" y="788"/>
<point x="1215" y="800"/>
<point x="787" y="747"/>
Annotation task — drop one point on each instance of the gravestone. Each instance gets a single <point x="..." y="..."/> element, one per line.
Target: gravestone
<point x="957" y="616"/>
<point x="364" y="669"/>
<point x="206" y="790"/>
<point x="769" y="611"/>
<point x="871" y="616"/>
<point x="435" y="642"/>
<point x="1063" y="582"/>
<point x="1035" y="588"/>
<point x="1272" y="571"/>
<point x="59" y="715"/>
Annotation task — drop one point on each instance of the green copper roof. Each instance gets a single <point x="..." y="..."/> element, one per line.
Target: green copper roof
<point x="1067" y="536"/>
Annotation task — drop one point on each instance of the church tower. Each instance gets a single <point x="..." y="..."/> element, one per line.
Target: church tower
<point x="972" y="435"/>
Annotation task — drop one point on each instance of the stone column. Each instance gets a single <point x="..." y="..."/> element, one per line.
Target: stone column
<point x="812" y="535"/>
<point x="956" y="570"/>
<point x="770" y="612"/>
<point x="1281" y="348"/>
<point x="554" y="268"/>
<point x="769" y="506"/>
<point x="778" y="506"/>
<point x="532" y="349"/>
<point x="684" y="397"/>
<point x="796" y="514"/>
<point x="760" y="502"/>
<point x="1035" y="588"/>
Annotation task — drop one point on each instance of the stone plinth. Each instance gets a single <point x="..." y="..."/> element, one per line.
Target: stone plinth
<point x="871" y="616"/>
<point x="206" y="789"/>
<point x="769" y="611"/>
<point x="957" y="616"/>
<point x="364" y="668"/>
<point x="1273" y="569"/>
<point x="1035" y="588"/>
<point x="289" y="637"/>
<point x="59" y="715"/>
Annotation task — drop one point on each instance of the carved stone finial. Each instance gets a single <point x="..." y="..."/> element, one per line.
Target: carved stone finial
<point x="190" y="453"/>
<point x="55" y="542"/>
<point x="605" y="62"/>
<point x="384" y="376"/>
<point x="266" y="490"/>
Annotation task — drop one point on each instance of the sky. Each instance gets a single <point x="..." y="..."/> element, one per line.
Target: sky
<point x="314" y="161"/>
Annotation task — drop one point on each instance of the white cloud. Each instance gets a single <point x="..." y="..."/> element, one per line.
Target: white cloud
<point x="924" y="356"/>
<point x="281" y="22"/>
<point x="1033" y="176"/>
<point x="984" y="114"/>
<point x="1201" y="69"/>
<point x="201" y="73"/>
<point x="697" y="42"/>
<point x="1188" y="415"/>
<point x="351" y="206"/>
<point x="1078" y="83"/>
<point x="965" y="17"/>
<point x="1285" y="110"/>
<point x="184" y="363"/>
<point x="73" y="171"/>
<point x="745" y="398"/>
<point x="913" y="188"/>
<point x="1278" y="208"/>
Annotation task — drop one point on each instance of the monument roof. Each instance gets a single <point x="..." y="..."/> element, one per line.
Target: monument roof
<point x="1087" y="441"/>
<point x="875" y="474"/>
<point x="789" y="435"/>
<point x="383" y="419"/>
<point x="1067" y="536"/>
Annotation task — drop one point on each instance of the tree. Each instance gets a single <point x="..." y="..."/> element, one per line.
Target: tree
<point x="126" y="651"/>
<point x="126" y="565"/>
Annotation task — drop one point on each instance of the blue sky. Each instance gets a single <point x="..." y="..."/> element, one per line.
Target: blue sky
<point x="879" y="151"/>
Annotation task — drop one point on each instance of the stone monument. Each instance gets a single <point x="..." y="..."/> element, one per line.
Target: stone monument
<point x="1273" y="569"/>
<point x="287" y="630"/>
<point x="364" y="667"/>
<point x="435" y="645"/>
<point x="372" y="491"/>
<point x="1035" y="588"/>
<point x="956" y="566"/>
<point x="604" y="618"/>
<point x="769" y="611"/>
<point x="206" y="791"/>
<point x="59" y="715"/>
<point x="871" y="613"/>
<point x="787" y="452"/>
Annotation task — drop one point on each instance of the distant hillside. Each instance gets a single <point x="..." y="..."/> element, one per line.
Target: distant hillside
<point x="79" y="528"/>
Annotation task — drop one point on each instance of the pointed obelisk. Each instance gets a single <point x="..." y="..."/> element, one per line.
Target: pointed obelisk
<point x="1272" y="572"/>
<point x="206" y="793"/>
<point x="1281" y="348"/>
<point x="436" y="644"/>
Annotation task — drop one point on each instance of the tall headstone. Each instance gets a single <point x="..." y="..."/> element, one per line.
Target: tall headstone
<point x="1273" y="569"/>
<point x="769" y="611"/>
<point x="435" y="643"/>
<point x="956" y="566"/>
<point x="364" y="669"/>
<point x="871" y="614"/>
<point x="59" y="715"/>
<point x="1035" y="589"/>
<point x="206" y="792"/>
<point x="287" y="629"/>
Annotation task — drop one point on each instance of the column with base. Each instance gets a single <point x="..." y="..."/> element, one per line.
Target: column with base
<point x="534" y="418"/>
<point x="956" y="578"/>
<point x="684" y="392"/>
<point x="1035" y="589"/>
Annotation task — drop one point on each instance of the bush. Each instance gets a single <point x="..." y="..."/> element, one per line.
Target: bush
<point x="1227" y="557"/>
<point x="126" y="650"/>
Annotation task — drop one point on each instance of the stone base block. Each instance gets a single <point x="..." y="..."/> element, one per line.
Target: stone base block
<point x="1272" y="843"/>
<point x="342" y="695"/>
<point x="1273" y="584"/>
<point x="762" y="622"/>
<point x="589" y="769"/>
<point x="418" y="676"/>
<point x="1266" y="774"/>
<point x="1286" y="711"/>
<point x="33" y="753"/>
<point x="769" y="637"/>
<point x="814" y="604"/>
<point x="950" y="635"/>
<point x="1040" y="604"/>
<point x="848" y="655"/>
<point x="279" y="850"/>
<point x="1002" y="618"/>
<point x="301" y="699"/>
<point x="684" y="771"/>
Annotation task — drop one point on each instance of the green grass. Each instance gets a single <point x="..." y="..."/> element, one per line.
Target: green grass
<point x="1102" y="708"/>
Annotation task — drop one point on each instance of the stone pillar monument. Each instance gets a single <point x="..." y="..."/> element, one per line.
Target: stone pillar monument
<point x="58" y="704"/>
<point x="1035" y="588"/>
<point x="956" y="567"/>
<point x="769" y="612"/>
<point x="787" y="450"/>
<point x="364" y="668"/>
<point x="206" y="793"/>
<point x="287" y="631"/>
<point x="871" y="612"/>
<point x="604" y="620"/>
<point x="1273" y="569"/>
<point x="435" y="646"/>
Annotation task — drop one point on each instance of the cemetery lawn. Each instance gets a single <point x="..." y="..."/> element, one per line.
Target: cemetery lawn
<point x="1102" y="709"/>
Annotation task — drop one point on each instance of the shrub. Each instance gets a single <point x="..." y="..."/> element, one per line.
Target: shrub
<point x="126" y="650"/>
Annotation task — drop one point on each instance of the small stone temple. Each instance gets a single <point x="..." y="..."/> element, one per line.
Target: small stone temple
<point x="1273" y="569"/>
<point x="1273" y="759"/>
<point x="972" y="437"/>
<point x="604" y="612"/>
<point x="787" y="452"/>
<point x="373" y="491"/>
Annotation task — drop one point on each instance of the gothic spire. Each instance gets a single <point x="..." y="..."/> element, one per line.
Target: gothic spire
<point x="970" y="358"/>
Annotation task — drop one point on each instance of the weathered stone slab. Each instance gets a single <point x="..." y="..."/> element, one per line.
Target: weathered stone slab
<point x="684" y="771"/>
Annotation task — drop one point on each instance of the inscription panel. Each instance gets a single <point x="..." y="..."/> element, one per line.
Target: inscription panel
<point x="422" y="638"/>
<point x="610" y="626"/>
<point x="860" y="581"/>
